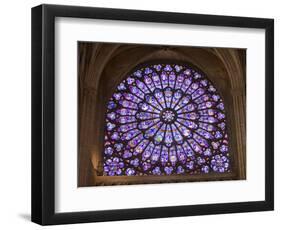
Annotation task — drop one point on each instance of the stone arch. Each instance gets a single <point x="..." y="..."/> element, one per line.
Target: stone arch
<point x="224" y="67"/>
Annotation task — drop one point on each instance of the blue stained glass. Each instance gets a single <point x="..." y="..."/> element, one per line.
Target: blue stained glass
<point x="165" y="119"/>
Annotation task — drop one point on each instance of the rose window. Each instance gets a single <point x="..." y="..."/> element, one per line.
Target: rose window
<point x="165" y="119"/>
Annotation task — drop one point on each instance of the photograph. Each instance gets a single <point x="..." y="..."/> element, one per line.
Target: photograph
<point x="140" y="114"/>
<point x="160" y="113"/>
<point x="135" y="115"/>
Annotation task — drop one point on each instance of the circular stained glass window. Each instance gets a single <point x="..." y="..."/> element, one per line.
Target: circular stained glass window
<point x="165" y="119"/>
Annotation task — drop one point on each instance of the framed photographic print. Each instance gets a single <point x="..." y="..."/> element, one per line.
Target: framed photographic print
<point x="142" y="114"/>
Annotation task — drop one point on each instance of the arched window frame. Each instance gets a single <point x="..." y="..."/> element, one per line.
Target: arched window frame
<point x="101" y="92"/>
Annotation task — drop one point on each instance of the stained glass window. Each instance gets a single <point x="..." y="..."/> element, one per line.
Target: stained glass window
<point x="165" y="119"/>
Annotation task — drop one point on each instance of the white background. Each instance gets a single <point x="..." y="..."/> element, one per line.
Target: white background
<point x="15" y="114"/>
<point x="71" y="199"/>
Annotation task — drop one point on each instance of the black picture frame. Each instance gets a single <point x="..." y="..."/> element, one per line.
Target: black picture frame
<point x="43" y="114"/>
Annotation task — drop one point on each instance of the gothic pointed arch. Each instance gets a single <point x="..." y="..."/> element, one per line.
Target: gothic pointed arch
<point x="223" y="68"/>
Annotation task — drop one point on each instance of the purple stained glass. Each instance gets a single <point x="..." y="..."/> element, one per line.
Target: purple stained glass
<point x="165" y="119"/>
